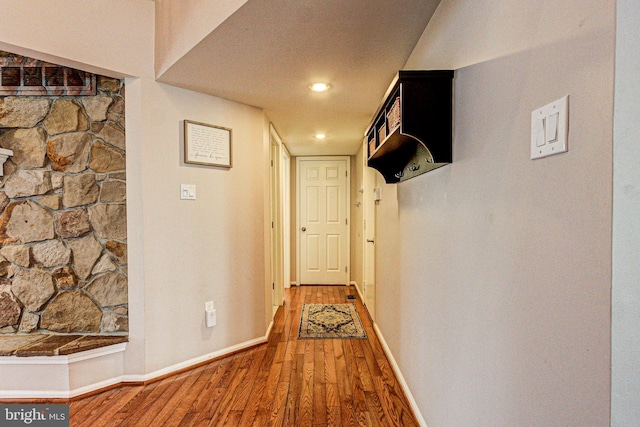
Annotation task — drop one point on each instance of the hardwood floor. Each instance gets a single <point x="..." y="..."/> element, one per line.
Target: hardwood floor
<point x="286" y="382"/>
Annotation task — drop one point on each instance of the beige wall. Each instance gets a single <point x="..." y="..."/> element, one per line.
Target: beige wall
<point x="112" y="38"/>
<point x="180" y="25"/>
<point x="181" y="253"/>
<point x="208" y="249"/>
<point x="494" y="273"/>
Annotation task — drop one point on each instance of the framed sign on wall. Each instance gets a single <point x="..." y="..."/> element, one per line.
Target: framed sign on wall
<point x="207" y="145"/>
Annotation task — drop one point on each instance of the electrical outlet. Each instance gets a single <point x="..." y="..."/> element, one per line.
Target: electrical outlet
<point x="208" y="306"/>
<point x="211" y="318"/>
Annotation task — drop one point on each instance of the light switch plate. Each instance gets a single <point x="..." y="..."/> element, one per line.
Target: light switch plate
<point x="187" y="192"/>
<point x="547" y="123"/>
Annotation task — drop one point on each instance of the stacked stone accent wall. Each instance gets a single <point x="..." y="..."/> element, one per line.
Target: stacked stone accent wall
<point x="63" y="239"/>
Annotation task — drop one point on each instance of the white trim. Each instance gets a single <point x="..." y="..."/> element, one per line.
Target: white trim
<point x="95" y="386"/>
<point x="286" y="214"/>
<point x="4" y="155"/>
<point x="34" y="360"/>
<point x="96" y="352"/>
<point x="66" y="359"/>
<point x="401" y="380"/>
<point x="34" y="394"/>
<point x="195" y="360"/>
<point x="62" y="366"/>
<point x="266" y="336"/>
<point x="360" y="295"/>
<point x="294" y="284"/>
<point x="300" y="159"/>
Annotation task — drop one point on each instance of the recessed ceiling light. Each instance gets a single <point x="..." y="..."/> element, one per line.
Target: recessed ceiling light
<point x="320" y="136"/>
<point x="319" y="87"/>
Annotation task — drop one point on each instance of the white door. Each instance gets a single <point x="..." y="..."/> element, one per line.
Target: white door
<point x="323" y="230"/>
<point x="369" y="236"/>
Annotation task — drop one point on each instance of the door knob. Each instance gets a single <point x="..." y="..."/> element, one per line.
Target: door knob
<point x="304" y="228"/>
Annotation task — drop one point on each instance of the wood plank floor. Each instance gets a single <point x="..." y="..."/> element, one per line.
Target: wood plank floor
<point x="286" y="382"/>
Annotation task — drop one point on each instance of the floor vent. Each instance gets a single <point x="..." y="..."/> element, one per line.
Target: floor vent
<point x="351" y="297"/>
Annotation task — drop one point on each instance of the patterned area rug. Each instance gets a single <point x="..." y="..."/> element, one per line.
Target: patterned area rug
<point x="330" y="321"/>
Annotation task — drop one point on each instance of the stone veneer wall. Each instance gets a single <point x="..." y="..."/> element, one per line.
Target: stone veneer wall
<point x="63" y="250"/>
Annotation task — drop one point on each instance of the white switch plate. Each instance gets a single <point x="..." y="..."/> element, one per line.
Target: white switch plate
<point x="208" y="306"/>
<point x="187" y="192"/>
<point x="547" y="122"/>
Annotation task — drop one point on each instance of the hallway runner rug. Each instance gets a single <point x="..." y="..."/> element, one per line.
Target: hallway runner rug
<point x="330" y="321"/>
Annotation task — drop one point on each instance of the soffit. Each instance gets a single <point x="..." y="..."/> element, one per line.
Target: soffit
<point x="269" y="51"/>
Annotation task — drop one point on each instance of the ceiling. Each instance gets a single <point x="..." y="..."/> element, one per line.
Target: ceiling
<point x="269" y="51"/>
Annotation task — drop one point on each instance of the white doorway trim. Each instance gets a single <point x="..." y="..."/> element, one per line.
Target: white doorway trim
<point x="285" y="173"/>
<point x="278" y="216"/>
<point x="299" y="160"/>
<point x="368" y="236"/>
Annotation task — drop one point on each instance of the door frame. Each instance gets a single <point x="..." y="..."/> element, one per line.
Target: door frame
<point x="279" y="175"/>
<point x="369" y="179"/>
<point x="347" y="159"/>
<point x="285" y="188"/>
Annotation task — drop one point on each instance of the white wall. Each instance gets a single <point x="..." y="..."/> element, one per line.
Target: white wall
<point x="208" y="249"/>
<point x="625" y="396"/>
<point x="181" y="253"/>
<point x="114" y="38"/>
<point x="494" y="273"/>
<point x="182" y="24"/>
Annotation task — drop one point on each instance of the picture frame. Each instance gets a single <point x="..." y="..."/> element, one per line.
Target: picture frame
<point x="207" y="145"/>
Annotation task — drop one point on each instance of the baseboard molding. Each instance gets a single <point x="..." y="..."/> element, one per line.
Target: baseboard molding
<point x="60" y="370"/>
<point x="52" y="377"/>
<point x="169" y="370"/>
<point x="64" y="360"/>
<point x="355" y="285"/>
<point x="269" y="328"/>
<point x="401" y="380"/>
<point x="95" y="387"/>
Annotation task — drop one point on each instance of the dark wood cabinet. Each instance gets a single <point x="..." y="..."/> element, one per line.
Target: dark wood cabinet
<point x="411" y="133"/>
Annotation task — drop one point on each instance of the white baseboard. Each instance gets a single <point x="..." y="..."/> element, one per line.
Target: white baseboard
<point x="64" y="360"/>
<point x="359" y="293"/>
<point x="93" y="387"/>
<point x="61" y="377"/>
<point x="196" y="360"/>
<point x="294" y="284"/>
<point x="266" y="336"/>
<point x="401" y="380"/>
<point x="56" y="377"/>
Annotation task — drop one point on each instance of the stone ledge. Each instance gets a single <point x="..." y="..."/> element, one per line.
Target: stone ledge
<point x="54" y="345"/>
